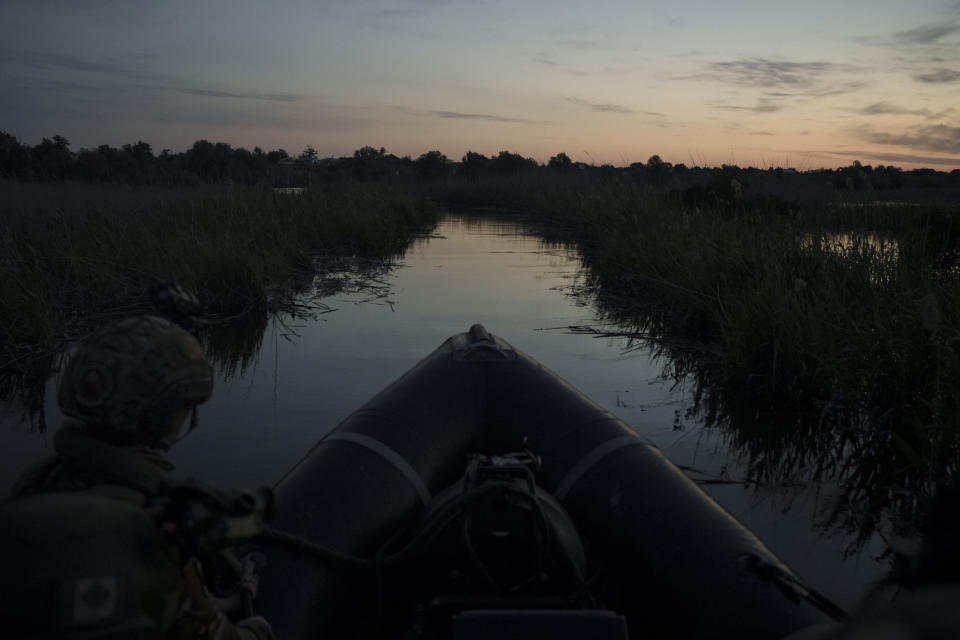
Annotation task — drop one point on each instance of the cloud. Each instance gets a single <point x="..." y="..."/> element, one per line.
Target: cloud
<point x="926" y="34"/>
<point x="612" y="108"/>
<point x="120" y="78"/>
<point x="405" y="9"/>
<point x="457" y="115"/>
<point x="837" y="90"/>
<point x="765" y="73"/>
<point x="47" y="60"/>
<point x="885" y="108"/>
<point x="926" y="44"/>
<point x="781" y="78"/>
<point x="89" y="115"/>
<point x="546" y="60"/>
<point x="938" y="137"/>
<point x="763" y="106"/>
<point x="462" y="115"/>
<point x="96" y="111"/>
<point x="882" y="108"/>
<point x="939" y="76"/>
<point x="603" y="108"/>
<point x="579" y="45"/>
<point x="890" y="157"/>
<point x="275" y="97"/>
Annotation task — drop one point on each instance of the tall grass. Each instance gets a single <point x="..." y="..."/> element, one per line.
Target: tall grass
<point x="72" y="252"/>
<point x="823" y="340"/>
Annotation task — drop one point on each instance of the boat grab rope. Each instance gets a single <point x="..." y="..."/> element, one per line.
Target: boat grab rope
<point x="382" y="560"/>
<point x="459" y="507"/>
<point x="415" y="548"/>
<point x="388" y="454"/>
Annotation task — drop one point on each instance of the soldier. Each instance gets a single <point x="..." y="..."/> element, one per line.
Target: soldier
<point x="81" y="554"/>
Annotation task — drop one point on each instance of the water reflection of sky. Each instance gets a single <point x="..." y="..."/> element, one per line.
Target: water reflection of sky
<point x="260" y="423"/>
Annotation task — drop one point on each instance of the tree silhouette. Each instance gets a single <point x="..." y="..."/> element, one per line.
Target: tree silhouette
<point x="656" y="170"/>
<point x="14" y="157"/>
<point x="370" y="163"/>
<point x="474" y="164"/>
<point x="309" y="156"/>
<point x="51" y="159"/>
<point x="507" y="162"/>
<point x="560" y="162"/>
<point x="432" y="164"/>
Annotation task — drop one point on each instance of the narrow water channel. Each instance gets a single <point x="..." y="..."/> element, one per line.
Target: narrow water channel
<point x="311" y="373"/>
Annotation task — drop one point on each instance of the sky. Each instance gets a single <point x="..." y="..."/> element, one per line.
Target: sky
<point x="803" y="84"/>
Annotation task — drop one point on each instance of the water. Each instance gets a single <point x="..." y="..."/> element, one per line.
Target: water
<point x="310" y="374"/>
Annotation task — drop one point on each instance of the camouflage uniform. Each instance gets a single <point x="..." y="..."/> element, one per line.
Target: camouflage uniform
<point x="82" y="557"/>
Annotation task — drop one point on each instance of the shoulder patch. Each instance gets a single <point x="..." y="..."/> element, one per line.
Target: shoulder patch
<point x="94" y="599"/>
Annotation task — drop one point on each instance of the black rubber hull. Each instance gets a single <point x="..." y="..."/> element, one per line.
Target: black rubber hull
<point x="679" y="559"/>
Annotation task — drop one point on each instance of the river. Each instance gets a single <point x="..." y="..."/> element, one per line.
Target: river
<point x="310" y="373"/>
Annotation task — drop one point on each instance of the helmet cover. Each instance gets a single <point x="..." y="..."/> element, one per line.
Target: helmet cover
<point x="132" y="380"/>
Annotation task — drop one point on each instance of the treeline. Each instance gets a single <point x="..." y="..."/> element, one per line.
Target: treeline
<point x="219" y="163"/>
<point x="137" y="164"/>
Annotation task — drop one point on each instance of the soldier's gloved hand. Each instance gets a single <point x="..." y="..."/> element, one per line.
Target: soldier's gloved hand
<point x="250" y="575"/>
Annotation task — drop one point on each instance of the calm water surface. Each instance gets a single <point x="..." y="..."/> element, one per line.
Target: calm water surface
<point x="310" y="374"/>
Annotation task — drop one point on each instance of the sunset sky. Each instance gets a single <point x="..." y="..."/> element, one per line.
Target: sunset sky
<point x="804" y="84"/>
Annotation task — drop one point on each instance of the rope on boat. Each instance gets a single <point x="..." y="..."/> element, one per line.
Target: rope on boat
<point x="299" y="544"/>
<point x="445" y="515"/>
<point x="435" y="525"/>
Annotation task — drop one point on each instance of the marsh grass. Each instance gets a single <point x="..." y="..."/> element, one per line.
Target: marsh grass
<point x="822" y="340"/>
<point x="73" y="255"/>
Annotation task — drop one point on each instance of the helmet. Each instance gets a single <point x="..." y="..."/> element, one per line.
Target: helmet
<point x="134" y="381"/>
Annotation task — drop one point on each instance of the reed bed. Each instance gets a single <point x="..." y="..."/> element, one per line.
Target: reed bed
<point x="823" y="340"/>
<point x="73" y="254"/>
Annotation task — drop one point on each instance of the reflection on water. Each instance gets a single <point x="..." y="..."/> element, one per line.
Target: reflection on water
<point x="286" y="379"/>
<point x="842" y="243"/>
<point x="22" y="388"/>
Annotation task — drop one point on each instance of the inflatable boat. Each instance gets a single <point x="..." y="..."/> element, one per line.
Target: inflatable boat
<point x="481" y="496"/>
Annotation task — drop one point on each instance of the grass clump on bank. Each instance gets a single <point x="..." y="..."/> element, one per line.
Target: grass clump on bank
<point x="72" y="252"/>
<point x="827" y="361"/>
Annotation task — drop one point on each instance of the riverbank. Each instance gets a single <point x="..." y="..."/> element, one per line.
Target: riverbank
<point x="822" y="338"/>
<point x="76" y="254"/>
